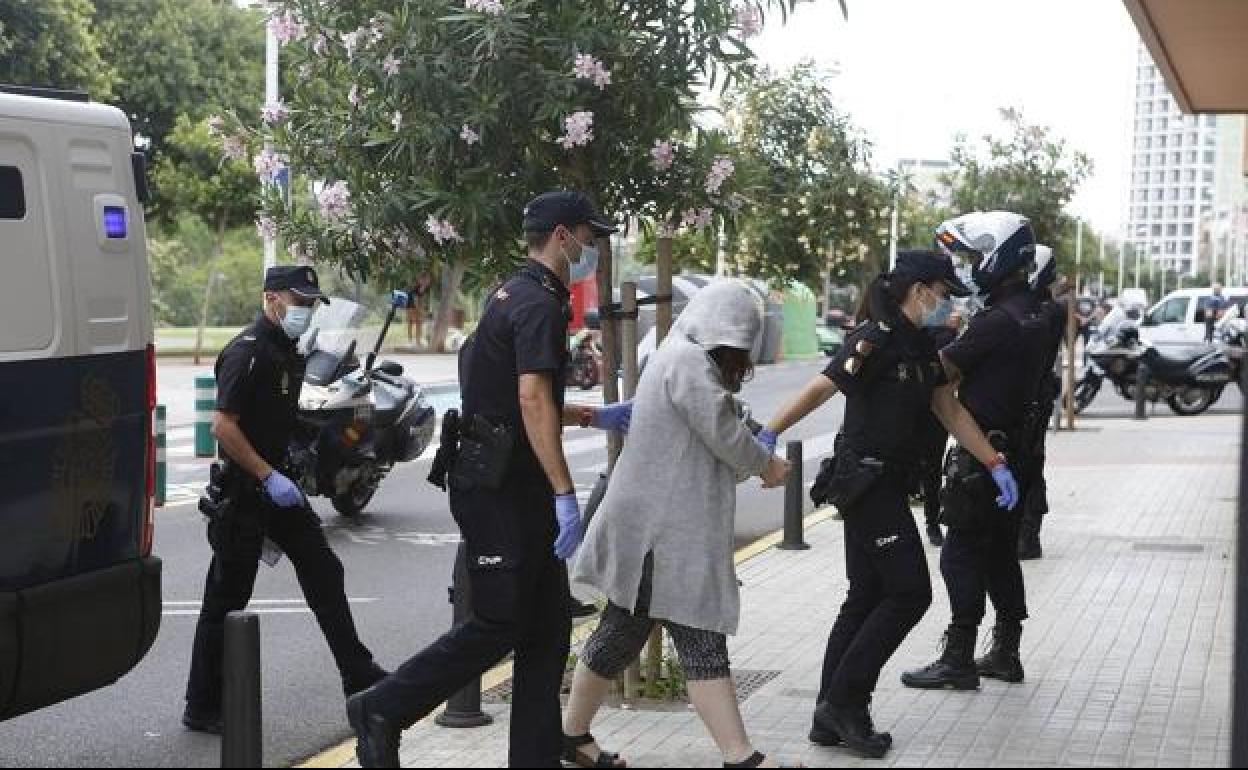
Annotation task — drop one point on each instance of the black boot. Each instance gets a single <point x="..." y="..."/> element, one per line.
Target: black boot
<point x="360" y="681"/>
<point x="1003" y="661"/>
<point x="1029" y="547"/>
<point x="852" y="724"/>
<point x="201" y="720"/>
<point x="822" y="735"/>
<point x="955" y="670"/>
<point x="936" y="535"/>
<point x="377" y="741"/>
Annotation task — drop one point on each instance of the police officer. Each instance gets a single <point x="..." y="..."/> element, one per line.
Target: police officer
<point x="892" y="379"/>
<point x="259" y="376"/>
<point x="518" y="512"/>
<point x="995" y="365"/>
<point x="1052" y="317"/>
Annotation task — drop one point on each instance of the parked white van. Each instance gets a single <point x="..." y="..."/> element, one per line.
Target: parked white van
<point x="1179" y="319"/>
<point x="79" y="586"/>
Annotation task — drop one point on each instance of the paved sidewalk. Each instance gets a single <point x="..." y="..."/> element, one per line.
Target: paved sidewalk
<point x="1128" y="653"/>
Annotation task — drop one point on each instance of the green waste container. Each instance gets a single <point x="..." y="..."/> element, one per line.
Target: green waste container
<point x="800" y="314"/>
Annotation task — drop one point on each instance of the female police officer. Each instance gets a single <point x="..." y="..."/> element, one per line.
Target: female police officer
<point x="891" y="376"/>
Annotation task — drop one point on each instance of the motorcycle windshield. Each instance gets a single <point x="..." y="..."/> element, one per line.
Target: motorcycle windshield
<point x="334" y="327"/>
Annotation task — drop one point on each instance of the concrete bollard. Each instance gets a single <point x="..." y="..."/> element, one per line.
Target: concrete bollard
<point x="1141" y="392"/>
<point x="162" y="464"/>
<point x="241" y="707"/>
<point x="205" y="405"/>
<point x="795" y="502"/>
<point x="463" y="710"/>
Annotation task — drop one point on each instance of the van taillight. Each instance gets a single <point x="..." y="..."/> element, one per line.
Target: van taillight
<point x="149" y="524"/>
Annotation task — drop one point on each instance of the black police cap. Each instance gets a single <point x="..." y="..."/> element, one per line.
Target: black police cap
<point x="301" y="281"/>
<point x="568" y="208"/>
<point x="929" y="266"/>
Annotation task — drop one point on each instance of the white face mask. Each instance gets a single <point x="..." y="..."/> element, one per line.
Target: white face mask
<point x="297" y="321"/>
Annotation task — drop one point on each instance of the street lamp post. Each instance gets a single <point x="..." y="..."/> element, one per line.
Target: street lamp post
<point x="271" y="95"/>
<point x="1078" y="256"/>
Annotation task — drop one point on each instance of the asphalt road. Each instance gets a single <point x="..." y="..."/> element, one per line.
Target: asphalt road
<point x="398" y="560"/>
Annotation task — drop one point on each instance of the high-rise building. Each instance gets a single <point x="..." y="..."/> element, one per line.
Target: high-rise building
<point x="1185" y="169"/>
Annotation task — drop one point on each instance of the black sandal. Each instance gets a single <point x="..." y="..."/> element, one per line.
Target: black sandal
<point x="755" y="761"/>
<point x="573" y="755"/>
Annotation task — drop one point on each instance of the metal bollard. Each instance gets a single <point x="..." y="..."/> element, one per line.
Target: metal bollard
<point x="463" y="710"/>
<point x="205" y="405"/>
<point x="162" y="465"/>
<point x="794" y="502"/>
<point x="241" y="709"/>
<point x="1141" y="392"/>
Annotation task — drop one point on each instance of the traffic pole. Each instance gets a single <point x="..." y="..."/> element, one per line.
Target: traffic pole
<point x="162" y="467"/>
<point x="794" y="501"/>
<point x="463" y="710"/>
<point x="205" y="405"/>
<point x="242" y="742"/>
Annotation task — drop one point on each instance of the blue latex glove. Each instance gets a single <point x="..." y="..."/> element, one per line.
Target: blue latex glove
<point x="616" y="417"/>
<point x="1008" y="486"/>
<point x="283" y="492"/>
<point x="571" y="528"/>
<point x="769" y="438"/>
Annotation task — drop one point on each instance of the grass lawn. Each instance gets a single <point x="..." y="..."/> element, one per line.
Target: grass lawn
<point x="180" y="341"/>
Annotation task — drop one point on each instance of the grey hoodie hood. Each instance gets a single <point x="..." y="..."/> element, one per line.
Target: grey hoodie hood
<point x="726" y="313"/>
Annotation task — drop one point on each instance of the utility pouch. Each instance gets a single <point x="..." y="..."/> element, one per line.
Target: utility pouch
<point x="485" y="452"/>
<point x="968" y="494"/>
<point x="846" y="478"/>
<point x="217" y="504"/>
<point x="448" y="451"/>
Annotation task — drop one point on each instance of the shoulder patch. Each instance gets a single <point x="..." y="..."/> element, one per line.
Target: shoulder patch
<point x="502" y="295"/>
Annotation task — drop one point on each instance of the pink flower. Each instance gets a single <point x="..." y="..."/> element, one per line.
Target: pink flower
<point x="287" y="27"/>
<point x="269" y="164"/>
<point x="334" y="201"/>
<point x="274" y="113"/>
<point x="443" y="231"/>
<point x="578" y="130"/>
<point x="321" y="46"/>
<point x="699" y="219"/>
<point x="721" y="170"/>
<point x="667" y="230"/>
<point x="392" y="65"/>
<point x="749" y="19"/>
<point x="266" y="226"/>
<point x="469" y="135"/>
<point x="492" y="7"/>
<point x="589" y="68"/>
<point x="351" y="41"/>
<point x="234" y="147"/>
<point x="355" y="96"/>
<point x="302" y="252"/>
<point x="664" y="155"/>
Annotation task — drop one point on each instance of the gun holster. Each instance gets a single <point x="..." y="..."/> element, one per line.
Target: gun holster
<point x="217" y="503"/>
<point x="846" y="478"/>
<point x="484" y="457"/>
<point x="448" y="451"/>
<point x="970" y="495"/>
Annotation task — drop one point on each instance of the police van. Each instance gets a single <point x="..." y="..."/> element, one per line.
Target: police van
<point x="79" y="587"/>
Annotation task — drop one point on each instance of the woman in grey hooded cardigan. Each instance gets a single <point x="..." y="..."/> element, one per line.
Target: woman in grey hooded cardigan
<point x="661" y="546"/>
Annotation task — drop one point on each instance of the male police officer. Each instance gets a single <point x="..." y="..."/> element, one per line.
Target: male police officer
<point x="259" y="375"/>
<point x="514" y="500"/>
<point x="1052" y="319"/>
<point x="996" y="365"/>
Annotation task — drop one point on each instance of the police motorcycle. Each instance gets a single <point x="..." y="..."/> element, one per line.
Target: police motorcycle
<point x="1231" y="336"/>
<point x="356" y="420"/>
<point x="1190" y="385"/>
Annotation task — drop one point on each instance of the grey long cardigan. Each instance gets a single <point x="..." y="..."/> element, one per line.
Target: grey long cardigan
<point x="673" y="492"/>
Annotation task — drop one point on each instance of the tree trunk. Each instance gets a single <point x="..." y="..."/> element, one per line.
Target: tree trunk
<point x="212" y="281"/>
<point x="452" y="279"/>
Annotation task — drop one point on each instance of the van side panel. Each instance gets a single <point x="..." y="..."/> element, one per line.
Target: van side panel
<point x="32" y="317"/>
<point x="72" y="465"/>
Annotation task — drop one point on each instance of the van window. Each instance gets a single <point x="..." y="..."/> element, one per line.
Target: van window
<point x="12" y="194"/>
<point x="1173" y="311"/>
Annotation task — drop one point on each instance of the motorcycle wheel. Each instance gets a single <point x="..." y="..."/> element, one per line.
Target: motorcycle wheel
<point x="588" y="376"/>
<point x="353" y="503"/>
<point x="1085" y="393"/>
<point x="1190" y="402"/>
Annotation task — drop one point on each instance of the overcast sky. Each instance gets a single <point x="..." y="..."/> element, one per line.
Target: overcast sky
<point x="915" y="73"/>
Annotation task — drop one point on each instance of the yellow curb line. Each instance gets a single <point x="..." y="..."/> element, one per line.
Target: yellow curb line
<point x="341" y="755"/>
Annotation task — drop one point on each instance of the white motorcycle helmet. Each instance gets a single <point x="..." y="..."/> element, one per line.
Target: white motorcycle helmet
<point x="1045" y="273"/>
<point x="994" y="244"/>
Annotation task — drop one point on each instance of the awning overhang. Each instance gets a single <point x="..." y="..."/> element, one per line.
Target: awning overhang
<point x="1201" y="48"/>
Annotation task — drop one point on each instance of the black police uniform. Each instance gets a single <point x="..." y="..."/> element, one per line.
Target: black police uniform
<point x="519" y="587"/>
<point x="259" y="376"/>
<point x="934" y="438"/>
<point x="999" y="358"/>
<point x="888" y="373"/>
<point x="1052" y="320"/>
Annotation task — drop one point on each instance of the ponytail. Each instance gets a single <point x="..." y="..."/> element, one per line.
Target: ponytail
<point x="882" y="300"/>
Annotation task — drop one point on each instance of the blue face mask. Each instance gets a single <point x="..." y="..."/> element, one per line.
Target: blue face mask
<point x="939" y="316"/>
<point x="586" y="266"/>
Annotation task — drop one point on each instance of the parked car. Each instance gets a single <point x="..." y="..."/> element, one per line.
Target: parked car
<point x="1179" y="319"/>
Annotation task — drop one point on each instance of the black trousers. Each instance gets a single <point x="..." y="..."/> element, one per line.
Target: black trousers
<point x="932" y="479"/>
<point x="520" y="603"/>
<point x="890" y="589"/>
<point x="981" y="562"/>
<point x="232" y="577"/>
